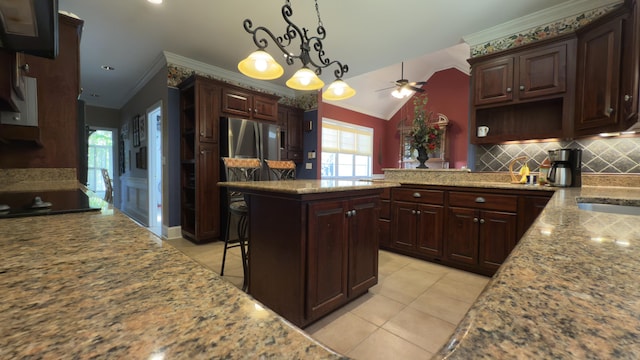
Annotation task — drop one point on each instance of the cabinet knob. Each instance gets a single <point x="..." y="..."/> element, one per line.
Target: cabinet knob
<point x="201" y="133"/>
<point x="610" y="111"/>
<point x="255" y="110"/>
<point x="353" y="213"/>
<point x="480" y="200"/>
<point x="521" y="87"/>
<point x="25" y="68"/>
<point x="509" y="90"/>
<point x="475" y="220"/>
<point x="627" y="98"/>
<point x="250" y="109"/>
<point x="417" y="195"/>
<point x="481" y="221"/>
<point x="418" y="212"/>
<point x="413" y="212"/>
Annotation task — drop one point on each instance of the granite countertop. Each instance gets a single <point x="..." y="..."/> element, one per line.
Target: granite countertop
<point x="309" y="186"/>
<point x="97" y="285"/>
<point x="568" y="290"/>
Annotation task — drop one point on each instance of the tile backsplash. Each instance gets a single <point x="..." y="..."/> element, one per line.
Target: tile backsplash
<point x="614" y="155"/>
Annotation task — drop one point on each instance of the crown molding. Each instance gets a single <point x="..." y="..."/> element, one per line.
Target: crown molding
<point x="156" y="65"/>
<point x="545" y="16"/>
<point x="230" y="76"/>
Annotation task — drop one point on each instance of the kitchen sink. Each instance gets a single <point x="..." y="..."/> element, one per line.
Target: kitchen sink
<point x="610" y="208"/>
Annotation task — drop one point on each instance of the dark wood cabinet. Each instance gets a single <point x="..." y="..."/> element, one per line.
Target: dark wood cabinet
<point x="598" y="78"/>
<point x="384" y="221"/>
<point x="529" y="207"/>
<point x="249" y="105"/>
<point x="342" y="252"/>
<point x="325" y="256"/>
<point x="630" y="88"/>
<point x="525" y="93"/>
<point x="418" y="216"/>
<point x="200" y="159"/>
<point x="290" y="120"/>
<point x="481" y="229"/>
<point x="57" y="136"/>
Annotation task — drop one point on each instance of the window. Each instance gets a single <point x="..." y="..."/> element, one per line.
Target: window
<point x="347" y="150"/>
<point x="100" y="157"/>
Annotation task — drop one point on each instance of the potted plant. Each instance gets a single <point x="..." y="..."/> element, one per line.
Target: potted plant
<point x="425" y="132"/>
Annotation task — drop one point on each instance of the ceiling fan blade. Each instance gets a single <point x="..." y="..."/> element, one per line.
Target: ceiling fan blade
<point x="417" y="83"/>
<point x="387" y="88"/>
<point x="416" y="89"/>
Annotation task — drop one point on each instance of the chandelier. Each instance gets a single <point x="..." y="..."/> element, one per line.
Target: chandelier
<point x="261" y="65"/>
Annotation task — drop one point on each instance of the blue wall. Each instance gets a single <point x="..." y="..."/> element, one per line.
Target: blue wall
<point x="310" y="143"/>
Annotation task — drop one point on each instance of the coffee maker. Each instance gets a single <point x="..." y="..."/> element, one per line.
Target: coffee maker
<point x="566" y="167"/>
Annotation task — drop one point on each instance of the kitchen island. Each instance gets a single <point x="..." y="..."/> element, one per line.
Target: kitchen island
<point x="98" y="285"/>
<point x="313" y="243"/>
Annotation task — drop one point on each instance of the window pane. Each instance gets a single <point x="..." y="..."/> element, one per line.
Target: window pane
<point x="364" y="144"/>
<point x="330" y="140"/>
<point x="362" y="166"/>
<point x="347" y="142"/>
<point x="345" y="165"/>
<point x="328" y="164"/>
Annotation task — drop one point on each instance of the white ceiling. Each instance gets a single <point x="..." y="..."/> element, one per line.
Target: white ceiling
<point x="372" y="37"/>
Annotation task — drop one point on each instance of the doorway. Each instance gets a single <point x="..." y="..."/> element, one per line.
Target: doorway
<point x="100" y="156"/>
<point x="154" y="121"/>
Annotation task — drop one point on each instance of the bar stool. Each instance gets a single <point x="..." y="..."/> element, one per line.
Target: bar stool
<point x="281" y="169"/>
<point x="239" y="170"/>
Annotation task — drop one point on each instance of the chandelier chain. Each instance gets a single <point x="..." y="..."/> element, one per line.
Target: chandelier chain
<point x="318" y="13"/>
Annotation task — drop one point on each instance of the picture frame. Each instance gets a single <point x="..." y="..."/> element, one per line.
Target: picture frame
<point x="136" y="131"/>
<point x="142" y="128"/>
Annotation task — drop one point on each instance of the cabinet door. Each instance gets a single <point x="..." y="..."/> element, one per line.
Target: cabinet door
<point x="493" y="81"/>
<point x="462" y="235"/>
<point x="429" y="229"/>
<point x="497" y="237"/>
<point x="265" y="108"/>
<point x="530" y="208"/>
<point x="363" y="245"/>
<point x="207" y="200"/>
<point x="235" y="102"/>
<point x="598" y="78"/>
<point x="404" y="225"/>
<point x="542" y="72"/>
<point x="630" y="94"/>
<point x="207" y="100"/>
<point x="327" y="257"/>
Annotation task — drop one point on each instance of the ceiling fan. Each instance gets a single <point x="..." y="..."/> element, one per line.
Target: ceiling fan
<point x="404" y="88"/>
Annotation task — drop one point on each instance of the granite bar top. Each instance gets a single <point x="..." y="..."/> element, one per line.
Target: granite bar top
<point x="569" y="290"/>
<point x="97" y="285"/>
<point x="308" y="186"/>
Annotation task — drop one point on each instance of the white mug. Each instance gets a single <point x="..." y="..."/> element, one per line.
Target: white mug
<point x="483" y="131"/>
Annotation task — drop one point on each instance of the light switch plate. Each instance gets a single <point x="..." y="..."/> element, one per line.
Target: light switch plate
<point x="308" y="166"/>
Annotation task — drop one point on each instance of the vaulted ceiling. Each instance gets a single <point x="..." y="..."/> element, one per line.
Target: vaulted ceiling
<point x="372" y="37"/>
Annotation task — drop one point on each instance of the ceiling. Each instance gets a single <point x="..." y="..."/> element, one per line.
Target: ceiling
<point x="372" y="37"/>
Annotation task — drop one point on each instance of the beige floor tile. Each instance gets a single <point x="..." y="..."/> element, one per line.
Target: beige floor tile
<point x="429" y="267"/>
<point x="406" y="285"/>
<point x="441" y="306"/>
<point x="467" y="277"/>
<point x="457" y="290"/>
<point x="424" y="330"/>
<point x="376" y="309"/>
<point x="384" y="345"/>
<point x="345" y="333"/>
<point x="328" y="319"/>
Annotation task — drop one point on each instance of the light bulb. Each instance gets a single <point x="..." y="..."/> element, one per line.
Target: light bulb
<point x="261" y="64"/>
<point x="305" y="79"/>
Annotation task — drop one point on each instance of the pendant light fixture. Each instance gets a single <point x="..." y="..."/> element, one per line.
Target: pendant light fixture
<point x="260" y="65"/>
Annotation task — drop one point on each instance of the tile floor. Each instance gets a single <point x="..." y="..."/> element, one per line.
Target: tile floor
<point x="410" y="314"/>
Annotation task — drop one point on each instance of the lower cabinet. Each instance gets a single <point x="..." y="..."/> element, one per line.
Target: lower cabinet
<point x="342" y="253"/>
<point x="418" y="221"/>
<point x="473" y="229"/>
<point x="384" y="221"/>
<point x="310" y="254"/>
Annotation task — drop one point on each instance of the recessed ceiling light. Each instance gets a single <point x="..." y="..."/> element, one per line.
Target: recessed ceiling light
<point x="107" y="67"/>
<point x="94" y="95"/>
<point x="155" y="1"/>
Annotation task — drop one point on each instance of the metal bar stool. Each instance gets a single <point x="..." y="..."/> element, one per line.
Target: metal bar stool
<point x="281" y="169"/>
<point x="239" y="170"/>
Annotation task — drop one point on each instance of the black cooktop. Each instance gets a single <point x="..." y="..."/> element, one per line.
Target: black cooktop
<point x="37" y="203"/>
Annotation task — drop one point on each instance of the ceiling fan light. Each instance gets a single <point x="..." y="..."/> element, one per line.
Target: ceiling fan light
<point x="397" y="94"/>
<point x="305" y="79"/>
<point x="260" y="65"/>
<point x="401" y="93"/>
<point x="338" y="90"/>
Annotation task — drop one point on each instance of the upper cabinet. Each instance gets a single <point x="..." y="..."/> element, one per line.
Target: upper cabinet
<point x="249" y="105"/>
<point x="522" y="76"/>
<point x="524" y="93"/>
<point x="570" y="86"/>
<point x="598" y="80"/>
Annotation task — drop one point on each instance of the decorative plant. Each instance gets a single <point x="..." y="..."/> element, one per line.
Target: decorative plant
<point x="423" y="134"/>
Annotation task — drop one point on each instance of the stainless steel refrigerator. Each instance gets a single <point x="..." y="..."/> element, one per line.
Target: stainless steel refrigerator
<point x="240" y="138"/>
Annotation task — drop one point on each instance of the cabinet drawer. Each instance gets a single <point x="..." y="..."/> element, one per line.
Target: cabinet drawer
<point x="418" y="196"/>
<point x="386" y="194"/>
<point x="484" y="201"/>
